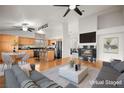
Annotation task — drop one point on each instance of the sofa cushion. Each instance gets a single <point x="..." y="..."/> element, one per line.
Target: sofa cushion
<point x="35" y="76"/>
<point x="117" y="60"/>
<point x="106" y="76"/>
<point x="121" y="77"/>
<point x="110" y="70"/>
<point x="103" y="77"/>
<point x="11" y="81"/>
<point x="43" y="81"/>
<point x="28" y="84"/>
<point x="46" y="83"/>
<point x="71" y="86"/>
<point x="108" y="73"/>
<point x="113" y="63"/>
<point x="20" y="74"/>
<point x="119" y="67"/>
<point x="106" y="64"/>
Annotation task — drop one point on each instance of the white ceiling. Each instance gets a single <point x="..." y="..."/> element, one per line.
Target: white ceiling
<point x="38" y="15"/>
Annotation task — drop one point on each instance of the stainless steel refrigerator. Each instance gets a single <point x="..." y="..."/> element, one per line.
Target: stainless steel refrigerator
<point x="58" y="50"/>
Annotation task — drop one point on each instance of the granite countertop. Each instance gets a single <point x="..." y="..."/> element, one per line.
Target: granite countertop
<point x="48" y="49"/>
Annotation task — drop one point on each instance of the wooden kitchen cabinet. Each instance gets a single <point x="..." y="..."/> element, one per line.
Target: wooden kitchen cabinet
<point x="31" y="53"/>
<point x="26" y="41"/>
<point x="6" y="47"/>
<point x="6" y="43"/>
<point x="50" y="55"/>
<point x="8" y="38"/>
<point x="0" y="58"/>
<point x="50" y="42"/>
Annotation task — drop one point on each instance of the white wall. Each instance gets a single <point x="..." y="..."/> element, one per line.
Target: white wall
<point x="73" y="30"/>
<point x="106" y="33"/>
<point x="110" y="24"/>
<point x="54" y="32"/>
<point x="88" y="24"/>
<point x="65" y="41"/>
<point x="70" y="36"/>
<point x="111" y="19"/>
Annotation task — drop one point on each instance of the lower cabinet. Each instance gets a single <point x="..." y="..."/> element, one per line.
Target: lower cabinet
<point x="0" y="58"/>
<point x="50" y="55"/>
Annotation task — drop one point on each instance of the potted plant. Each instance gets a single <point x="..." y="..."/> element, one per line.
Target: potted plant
<point x="72" y="63"/>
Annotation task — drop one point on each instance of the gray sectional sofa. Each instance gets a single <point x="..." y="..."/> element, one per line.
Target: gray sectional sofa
<point x="17" y="78"/>
<point x="110" y="76"/>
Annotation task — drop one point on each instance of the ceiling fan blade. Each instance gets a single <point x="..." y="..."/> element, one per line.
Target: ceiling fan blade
<point x="66" y="12"/>
<point x="78" y="11"/>
<point x="30" y="29"/>
<point x="43" y="26"/>
<point x="62" y="5"/>
<point x="17" y="26"/>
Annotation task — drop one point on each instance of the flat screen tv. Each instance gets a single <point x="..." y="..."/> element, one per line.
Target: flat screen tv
<point x="88" y="37"/>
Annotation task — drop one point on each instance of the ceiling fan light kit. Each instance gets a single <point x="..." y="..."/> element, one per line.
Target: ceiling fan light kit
<point x="71" y="7"/>
<point x="40" y="32"/>
<point x="24" y="28"/>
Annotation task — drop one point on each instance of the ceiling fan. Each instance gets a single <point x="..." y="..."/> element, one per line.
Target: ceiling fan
<point x="25" y="27"/>
<point x="71" y="7"/>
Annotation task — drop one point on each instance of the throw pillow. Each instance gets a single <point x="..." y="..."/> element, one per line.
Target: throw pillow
<point x="28" y="84"/>
<point x="117" y="60"/>
<point x="19" y="73"/>
<point x="26" y="68"/>
<point x="119" y="67"/>
<point x="26" y="71"/>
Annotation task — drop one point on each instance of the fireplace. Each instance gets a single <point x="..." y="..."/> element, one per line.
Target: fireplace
<point x="87" y="54"/>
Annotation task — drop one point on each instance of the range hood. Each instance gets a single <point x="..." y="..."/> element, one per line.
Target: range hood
<point x="40" y="40"/>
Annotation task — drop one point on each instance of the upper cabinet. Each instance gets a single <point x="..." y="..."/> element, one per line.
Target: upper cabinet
<point x="26" y="41"/>
<point x="8" y="38"/>
<point x="51" y="42"/>
<point x="7" y="41"/>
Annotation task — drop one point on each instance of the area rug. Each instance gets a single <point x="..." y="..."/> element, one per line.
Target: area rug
<point x="85" y="83"/>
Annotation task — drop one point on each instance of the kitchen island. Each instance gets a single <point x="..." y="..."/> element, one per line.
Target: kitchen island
<point x="50" y="54"/>
<point x="40" y="53"/>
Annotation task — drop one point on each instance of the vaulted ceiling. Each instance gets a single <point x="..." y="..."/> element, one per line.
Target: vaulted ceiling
<point x="36" y="16"/>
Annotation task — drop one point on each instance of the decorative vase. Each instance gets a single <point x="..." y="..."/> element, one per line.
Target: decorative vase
<point x="72" y="63"/>
<point x="76" y="67"/>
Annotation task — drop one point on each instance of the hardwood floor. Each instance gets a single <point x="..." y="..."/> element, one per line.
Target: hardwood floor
<point x="42" y="65"/>
<point x="2" y="81"/>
